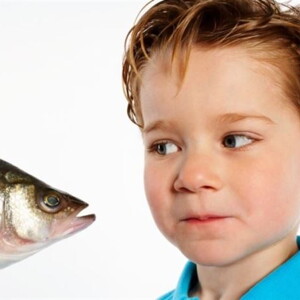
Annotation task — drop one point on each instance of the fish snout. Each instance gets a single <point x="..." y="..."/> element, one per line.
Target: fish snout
<point x="72" y="223"/>
<point x="78" y="203"/>
<point x="79" y="206"/>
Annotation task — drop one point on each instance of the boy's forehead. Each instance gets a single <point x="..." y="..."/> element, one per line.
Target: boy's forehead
<point x="200" y="60"/>
<point x="222" y="79"/>
<point x="162" y="63"/>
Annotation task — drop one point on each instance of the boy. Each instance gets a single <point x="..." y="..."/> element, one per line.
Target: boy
<point x="214" y="86"/>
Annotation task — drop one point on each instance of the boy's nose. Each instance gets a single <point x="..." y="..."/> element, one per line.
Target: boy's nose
<point x="197" y="173"/>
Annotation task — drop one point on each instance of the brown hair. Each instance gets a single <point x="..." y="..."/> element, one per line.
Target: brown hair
<point x="272" y="29"/>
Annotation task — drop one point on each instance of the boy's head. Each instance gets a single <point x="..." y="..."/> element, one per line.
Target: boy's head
<point x="269" y="31"/>
<point x="214" y="84"/>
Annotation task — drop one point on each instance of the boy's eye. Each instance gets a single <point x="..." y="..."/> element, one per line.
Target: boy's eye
<point x="165" y="148"/>
<point x="236" y="141"/>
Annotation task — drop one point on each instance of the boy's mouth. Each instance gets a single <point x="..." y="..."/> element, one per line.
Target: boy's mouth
<point x="194" y="219"/>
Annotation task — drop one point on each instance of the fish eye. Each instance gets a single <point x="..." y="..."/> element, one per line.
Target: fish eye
<point x="51" y="201"/>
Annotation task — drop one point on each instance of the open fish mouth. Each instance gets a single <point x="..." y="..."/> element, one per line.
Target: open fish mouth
<point x="73" y="224"/>
<point x="80" y="223"/>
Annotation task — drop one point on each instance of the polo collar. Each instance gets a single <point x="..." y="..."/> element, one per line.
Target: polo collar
<point x="281" y="283"/>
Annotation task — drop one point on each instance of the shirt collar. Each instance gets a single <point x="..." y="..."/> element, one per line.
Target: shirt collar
<point x="185" y="282"/>
<point x="281" y="282"/>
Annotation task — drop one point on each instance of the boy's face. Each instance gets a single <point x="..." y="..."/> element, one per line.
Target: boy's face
<point x="222" y="170"/>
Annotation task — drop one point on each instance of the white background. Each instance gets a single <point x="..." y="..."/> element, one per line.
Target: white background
<point x="63" y="119"/>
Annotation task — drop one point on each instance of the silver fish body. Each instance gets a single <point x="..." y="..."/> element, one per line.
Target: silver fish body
<point x="33" y="215"/>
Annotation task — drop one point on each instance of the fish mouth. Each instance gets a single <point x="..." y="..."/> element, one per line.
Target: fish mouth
<point x="74" y="223"/>
<point x="81" y="222"/>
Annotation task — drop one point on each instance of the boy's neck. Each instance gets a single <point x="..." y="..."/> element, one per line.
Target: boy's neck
<point x="232" y="281"/>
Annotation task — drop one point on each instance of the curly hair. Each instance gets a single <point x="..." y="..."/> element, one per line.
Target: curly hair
<point x="269" y="28"/>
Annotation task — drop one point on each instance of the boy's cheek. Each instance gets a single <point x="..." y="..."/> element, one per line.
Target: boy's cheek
<point x="152" y="189"/>
<point x="157" y="190"/>
<point x="270" y="197"/>
<point x="155" y="196"/>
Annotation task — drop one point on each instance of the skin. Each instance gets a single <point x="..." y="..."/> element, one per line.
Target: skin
<point x="194" y="168"/>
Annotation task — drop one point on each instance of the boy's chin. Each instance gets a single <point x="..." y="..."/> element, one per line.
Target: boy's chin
<point x="212" y="255"/>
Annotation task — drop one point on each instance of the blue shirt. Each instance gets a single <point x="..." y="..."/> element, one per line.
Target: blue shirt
<point x="281" y="284"/>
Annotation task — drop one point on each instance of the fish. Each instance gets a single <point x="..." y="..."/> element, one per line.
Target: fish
<point x="34" y="215"/>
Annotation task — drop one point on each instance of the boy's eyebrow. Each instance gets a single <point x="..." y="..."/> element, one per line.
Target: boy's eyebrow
<point x="160" y="124"/>
<point x="235" y="117"/>
<point x="226" y="118"/>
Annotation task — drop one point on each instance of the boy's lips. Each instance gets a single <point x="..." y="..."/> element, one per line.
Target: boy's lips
<point x="205" y="218"/>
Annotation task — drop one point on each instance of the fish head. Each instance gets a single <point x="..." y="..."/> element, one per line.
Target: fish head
<point x="35" y="215"/>
<point x="61" y="210"/>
